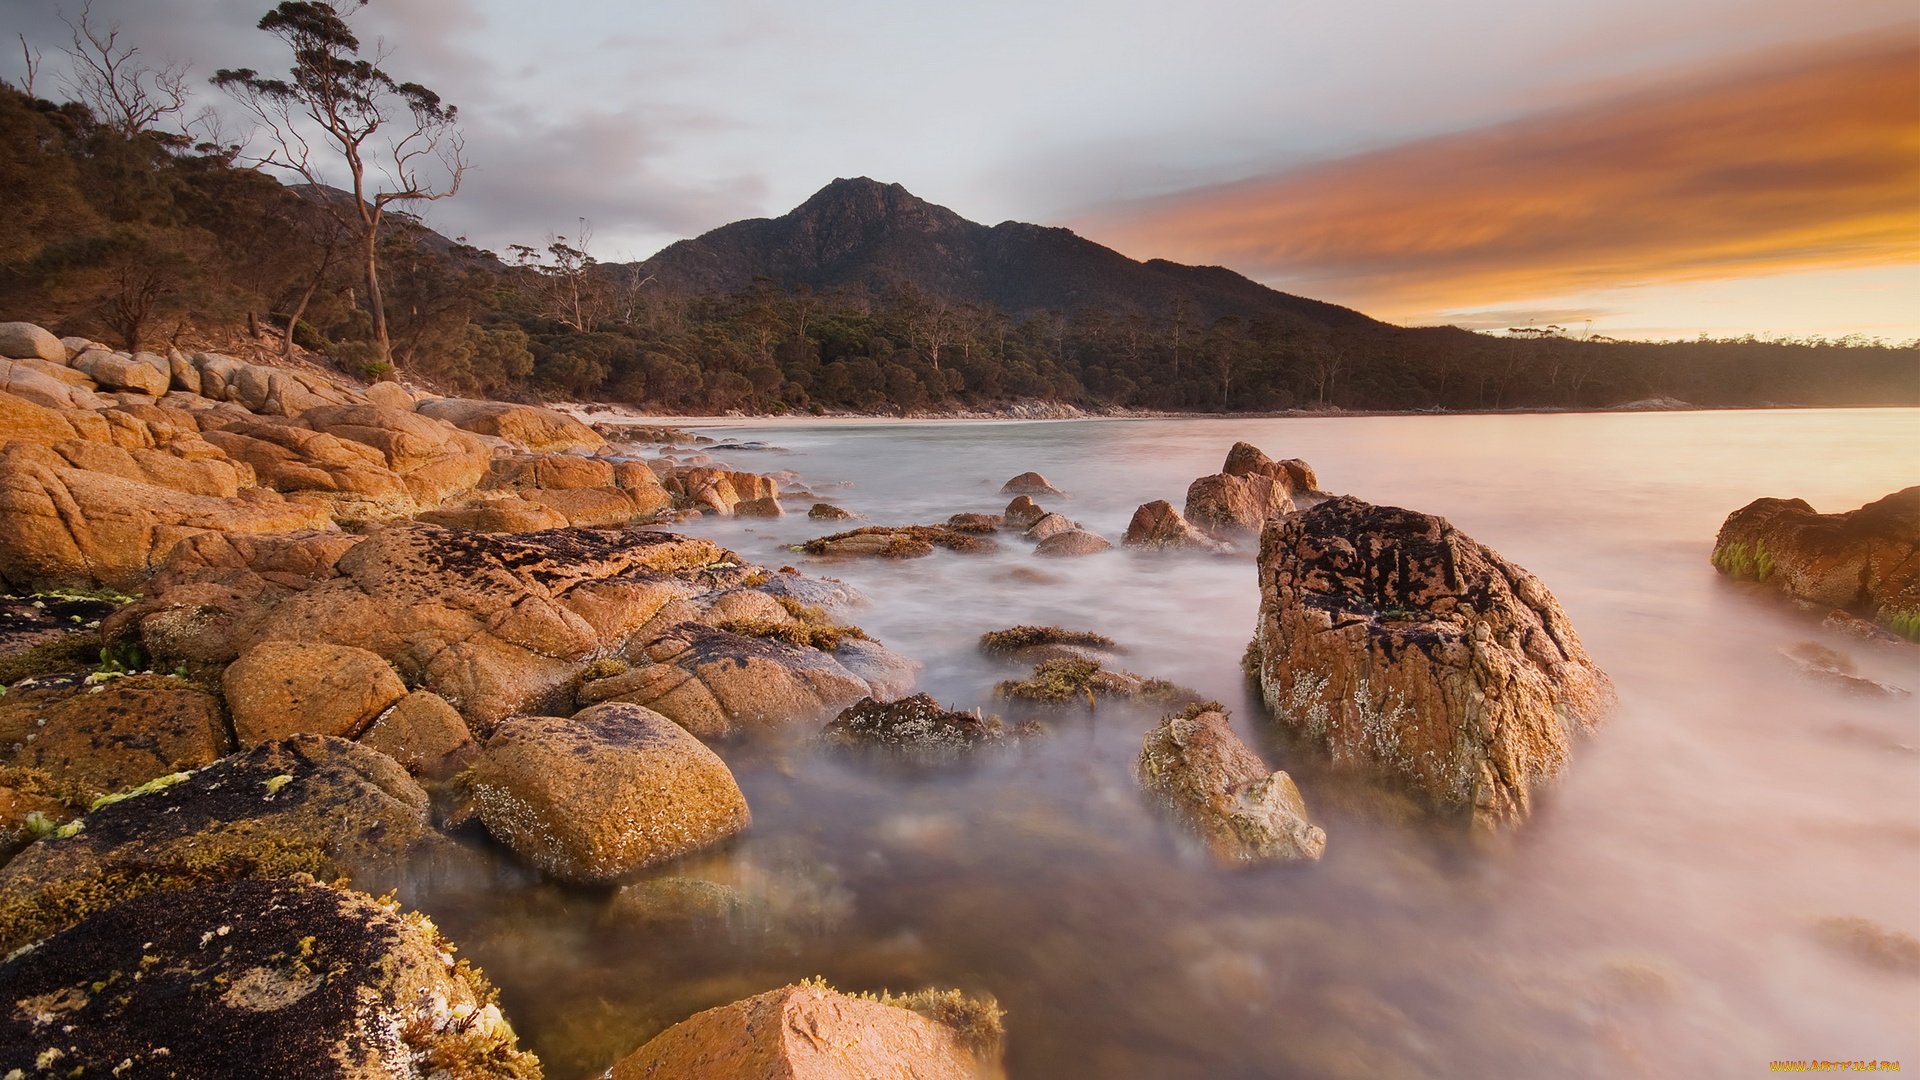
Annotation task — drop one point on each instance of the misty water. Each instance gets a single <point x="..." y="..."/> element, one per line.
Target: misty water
<point x="1659" y="917"/>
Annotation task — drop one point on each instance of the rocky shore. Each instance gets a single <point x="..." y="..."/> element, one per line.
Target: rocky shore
<point x="275" y="644"/>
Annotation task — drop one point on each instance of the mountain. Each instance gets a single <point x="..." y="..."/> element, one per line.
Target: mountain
<point x="863" y="232"/>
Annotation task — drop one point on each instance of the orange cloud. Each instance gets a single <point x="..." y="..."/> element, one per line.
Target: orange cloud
<point x="1813" y="160"/>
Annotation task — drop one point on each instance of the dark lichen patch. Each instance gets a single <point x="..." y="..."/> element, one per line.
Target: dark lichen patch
<point x="804" y="635"/>
<point x="1011" y="640"/>
<point x="55" y="655"/>
<point x="1059" y="682"/>
<point x="898" y="542"/>
<point x="262" y="978"/>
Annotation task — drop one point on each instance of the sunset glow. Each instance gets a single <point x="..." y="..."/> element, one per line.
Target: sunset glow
<point x="1808" y="163"/>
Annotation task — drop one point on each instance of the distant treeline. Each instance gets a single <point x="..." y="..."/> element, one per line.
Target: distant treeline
<point x="143" y="238"/>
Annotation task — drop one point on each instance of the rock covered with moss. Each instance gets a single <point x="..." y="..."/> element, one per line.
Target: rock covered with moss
<point x="310" y="804"/>
<point x="95" y="738"/>
<point x="1865" y="561"/>
<point x="1409" y="649"/>
<point x="1241" y="809"/>
<point x="917" y="722"/>
<point x="253" y="979"/>
<point x="1038" y="644"/>
<point x="615" y="788"/>
<point x="898" y="542"/>
<point x="1069" y="681"/>
<point x="810" y="1031"/>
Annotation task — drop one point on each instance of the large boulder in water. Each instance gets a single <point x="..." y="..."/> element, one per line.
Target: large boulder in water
<point x="1865" y="561"/>
<point x="1407" y="648"/>
<point x="1242" y="810"/>
<point x="810" y="1032"/>
<point x="315" y="805"/>
<point x="262" y="980"/>
<point x="615" y="788"/>
<point x="1250" y="488"/>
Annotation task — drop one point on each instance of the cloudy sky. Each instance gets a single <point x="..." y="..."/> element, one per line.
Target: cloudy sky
<point x="1639" y="168"/>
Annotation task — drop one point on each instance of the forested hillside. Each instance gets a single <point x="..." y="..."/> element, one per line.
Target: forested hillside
<point x="143" y="238"/>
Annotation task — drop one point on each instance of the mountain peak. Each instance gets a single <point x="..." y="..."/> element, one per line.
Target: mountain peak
<point x="862" y="201"/>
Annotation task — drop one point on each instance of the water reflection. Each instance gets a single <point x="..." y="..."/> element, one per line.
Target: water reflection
<point x="1660" y="918"/>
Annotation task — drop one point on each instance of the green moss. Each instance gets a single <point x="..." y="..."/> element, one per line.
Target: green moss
<point x="1013" y="639"/>
<point x="1745" y="561"/>
<point x="1056" y="682"/>
<point x="69" y="653"/>
<point x="104" y="595"/>
<point x="604" y="668"/>
<point x="1904" y="623"/>
<point x="811" y="614"/>
<point x="824" y="638"/>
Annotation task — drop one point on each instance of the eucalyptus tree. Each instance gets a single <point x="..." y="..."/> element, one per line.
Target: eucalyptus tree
<point x="396" y="142"/>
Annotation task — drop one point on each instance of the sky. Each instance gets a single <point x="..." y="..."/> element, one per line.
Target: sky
<point x="1633" y="168"/>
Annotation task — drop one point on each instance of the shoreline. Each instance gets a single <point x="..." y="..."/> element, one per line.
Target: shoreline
<point x="600" y="412"/>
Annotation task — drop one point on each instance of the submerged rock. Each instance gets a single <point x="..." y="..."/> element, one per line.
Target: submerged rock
<point x="1029" y="483"/>
<point x="1407" y="648"/>
<point x="310" y="804"/>
<point x="916" y="722"/>
<point x="809" y="1031"/>
<point x="1838" y="670"/>
<point x="274" y="980"/>
<point x="1070" y="681"/>
<point x="615" y="788"/>
<point x="1866" y="561"/>
<point x="1243" y="811"/>
<point x="829" y="512"/>
<point x="1071" y="543"/>
<point x="977" y="523"/>
<point x="1022" y="513"/>
<point x="898" y="542"/>
<point x="1036" y="644"/>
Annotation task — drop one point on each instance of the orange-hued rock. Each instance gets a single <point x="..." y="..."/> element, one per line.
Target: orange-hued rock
<point x="121" y="735"/>
<point x="425" y="735"/>
<point x="1250" y="488"/>
<point x="1865" y="561"/>
<point x="1029" y="483"/>
<point x="529" y="427"/>
<point x="557" y="471"/>
<point x="508" y="515"/>
<point x="614" y="788"/>
<point x="69" y="527"/>
<point x="1158" y="526"/>
<point x="1243" y="811"/>
<point x="498" y="624"/>
<point x="806" y="1033"/>
<point x="1071" y="543"/>
<point x="1409" y="649"/>
<point x="280" y="688"/>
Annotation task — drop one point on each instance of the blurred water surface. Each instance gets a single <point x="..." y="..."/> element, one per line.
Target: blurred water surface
<point x="1659" y="918"/>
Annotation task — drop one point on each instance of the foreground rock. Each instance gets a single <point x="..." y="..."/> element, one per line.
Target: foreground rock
<point x="1236" y="502"/>
<point x="253" y="979"/>
<point x="281" y="688"/>
<point x="93" y="741"/>
<point x="1243" y="812"/>
<point x="916" y="722"/>
<point x="1865" y="561"/>
<point x="615" y="788"/>
<point x="1409" y="649"/>
<point x="1158" y="526"/>
<point x="311" y="805"/>
<point x="809" y="1032"/>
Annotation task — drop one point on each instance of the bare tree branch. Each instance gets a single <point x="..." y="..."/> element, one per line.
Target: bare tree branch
<point x="113" y="81"/>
